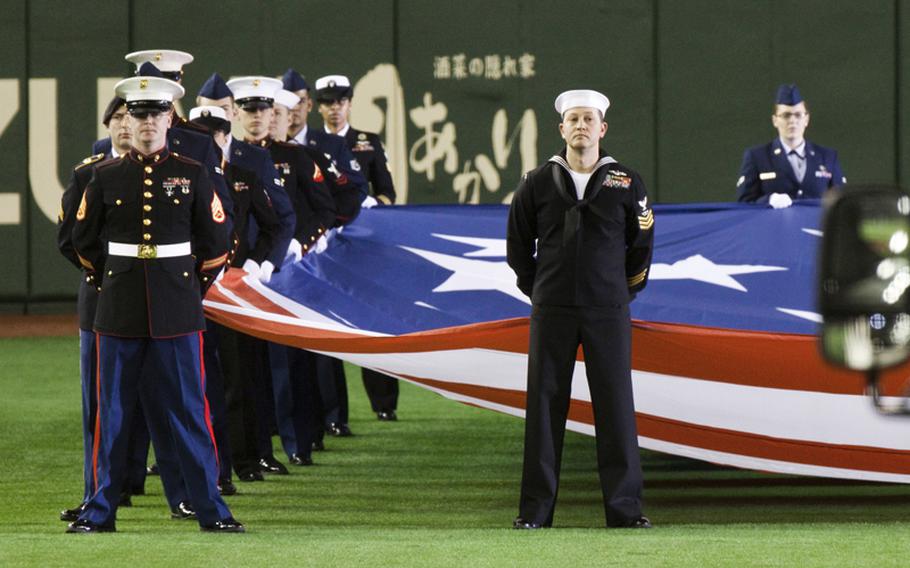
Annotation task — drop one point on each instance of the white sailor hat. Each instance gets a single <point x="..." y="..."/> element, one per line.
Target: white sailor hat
<point x="207" y="111"/>
<point x="212" y="117"/>
<point x="286" y="98"/>
<point x="333" y="88"/>
<point x="169" y="61"/>
<point x="581" y="98"/>
<point x="254" y="92"/>
<point x="151" y="93"/>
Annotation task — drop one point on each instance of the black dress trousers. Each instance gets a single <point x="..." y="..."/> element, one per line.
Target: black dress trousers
<point x="605" y="334"/>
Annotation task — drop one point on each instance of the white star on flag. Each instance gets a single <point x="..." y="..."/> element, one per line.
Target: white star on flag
<point x="704" y="270"/>
<point x="489" y="247"/>
<point x="471" y="275"/>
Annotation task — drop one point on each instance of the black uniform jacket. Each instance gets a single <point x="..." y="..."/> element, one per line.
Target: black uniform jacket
<point x="368" y="150"/>
<point x="192" y="141"/>
<point x="150" y="200"/>
<point x="251" y="201"/>
<point x="72" y="196"/>
<point x="305" y="185"/>
<point x="592" y="252"/>
<point x="345" y="193"/>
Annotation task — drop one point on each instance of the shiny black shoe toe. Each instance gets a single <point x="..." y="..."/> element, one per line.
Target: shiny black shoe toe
<point x="339" y="430"/>
<point x="318" y="446"/>
<point x="301" y="460"/>
<point x="227" y="487"/>
<point x="183" y="511"/>
<point x="228" y="525"/>
<point x="252" y="475"/>
<point x="523" y="524"/>
<point x="81" y="526"/>
<point x="152" y="470"/>
<point x="639" y="523"/>
<point x="70" y="515"/>
<point x="270" y="465"/>
<point x="387" y="416"/>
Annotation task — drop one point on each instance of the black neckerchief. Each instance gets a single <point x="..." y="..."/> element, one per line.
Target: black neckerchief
<point x="572" y="222"/>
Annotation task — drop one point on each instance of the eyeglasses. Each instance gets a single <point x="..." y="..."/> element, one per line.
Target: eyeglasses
<point x="799" y="115"/>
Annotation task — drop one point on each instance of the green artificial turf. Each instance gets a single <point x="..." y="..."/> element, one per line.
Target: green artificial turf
<point x="437" y="488"/>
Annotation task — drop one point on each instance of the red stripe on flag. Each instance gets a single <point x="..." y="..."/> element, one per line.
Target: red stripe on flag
<point x="861" y="458"/>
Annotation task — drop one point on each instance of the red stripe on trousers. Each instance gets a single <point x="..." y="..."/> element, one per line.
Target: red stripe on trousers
<point x="97" y="441"/>
<point x="208" y="414"/>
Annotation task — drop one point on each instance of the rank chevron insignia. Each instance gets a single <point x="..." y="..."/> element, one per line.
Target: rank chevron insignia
<point x="646" y="218"/>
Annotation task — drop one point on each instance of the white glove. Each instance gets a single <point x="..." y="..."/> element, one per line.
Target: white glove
<point x="321" y="244"/>
<point x="295" y="250"/>
<point x="780" y="200"/>
<point x="265" y="271"/>
<point x="251" y="267"/>
<point x="369" y="202"/>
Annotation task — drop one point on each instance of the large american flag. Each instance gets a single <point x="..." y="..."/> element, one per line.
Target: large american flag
<point x="725" y="363"/>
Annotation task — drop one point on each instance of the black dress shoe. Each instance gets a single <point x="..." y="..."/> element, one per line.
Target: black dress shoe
<point x="183" y="511"/>
<point x="639" y="523"/>
<point x="226" y="487"/>
<point x="152" y="470"/>
<point x="269" y="464"/>
<point x="522" y="524"/>
<point x="252" y="475"/>
<point x="300" y="460"/>
<point x="340" y="430"/>
<point x="228" y="525"/>
<point x="318" y="446"/>
<point x="387" y="416"/>
<point x="125" y="500"/>
<point x="137" y="490"/>
<point x="70" y="515"/>
<point x="82" y="526"/>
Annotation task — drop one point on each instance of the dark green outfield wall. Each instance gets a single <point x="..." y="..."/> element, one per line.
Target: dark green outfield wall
<point x="462" y="91"/>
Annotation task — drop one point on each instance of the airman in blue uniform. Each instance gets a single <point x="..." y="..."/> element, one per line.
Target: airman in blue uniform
<point x="790" y="167"/>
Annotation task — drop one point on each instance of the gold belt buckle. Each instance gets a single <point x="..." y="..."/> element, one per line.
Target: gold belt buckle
<point x="147" y="251"/>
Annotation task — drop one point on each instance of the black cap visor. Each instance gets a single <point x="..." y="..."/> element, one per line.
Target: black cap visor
<point x="251" y="104"/>
<point x="141" y="109"/>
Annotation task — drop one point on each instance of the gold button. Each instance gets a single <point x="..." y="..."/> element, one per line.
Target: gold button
<point x="88" y="278"/>
<point x="312" y="239"/>
<point x="147" y="236"/>
<point x="119" y="202"/>
<point x="110" y="272"/>
<point x="146" y="207"/>
<point x="148" y="169"/>
<point x="146" y="222"/>
<point x="157" y="157"/>
<point x="148" y="182"/>
<point x="186" y="274"/>
<point x="205" y="278"/>
<point x="147" y="195"/>
<point x="176" y="201"/>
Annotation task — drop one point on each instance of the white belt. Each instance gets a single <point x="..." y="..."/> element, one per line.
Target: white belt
<point x="149" y="251"/>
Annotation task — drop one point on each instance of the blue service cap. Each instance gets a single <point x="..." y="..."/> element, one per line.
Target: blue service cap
<point x="294" y="81"/>
<point x="788" y="95"/>
<point x="215" y="88"/>
<point x="148" y="69"/>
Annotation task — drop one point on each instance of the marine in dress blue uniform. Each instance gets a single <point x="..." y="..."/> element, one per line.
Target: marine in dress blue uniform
<point x="115" y="120"/>
<point x="333" y="95"/>
<point x="149" y="231"/>
<point x="790" y="167"/>
<point x="580" y="236"/>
